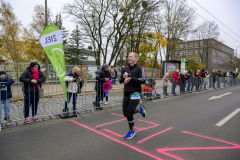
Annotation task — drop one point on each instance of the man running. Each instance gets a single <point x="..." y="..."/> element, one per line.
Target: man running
<point x="132" y="76"/>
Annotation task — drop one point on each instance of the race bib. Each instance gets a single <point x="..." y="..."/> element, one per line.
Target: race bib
<point x="135" y="95"/>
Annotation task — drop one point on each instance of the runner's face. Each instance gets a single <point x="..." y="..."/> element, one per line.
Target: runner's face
<point x="132" y="59"/>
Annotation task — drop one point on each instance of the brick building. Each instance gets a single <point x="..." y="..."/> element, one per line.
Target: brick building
<point x="214" y="54"/>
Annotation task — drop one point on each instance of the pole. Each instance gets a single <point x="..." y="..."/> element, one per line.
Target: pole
<point x="46" y="57"/>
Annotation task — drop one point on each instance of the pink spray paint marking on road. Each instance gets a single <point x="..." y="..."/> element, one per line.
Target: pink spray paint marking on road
<point x="125" y="144"/>
<point x="138" y="129"/>
<point x="154" y="135"/>
<point x="111" y="122"/>
<point x="113" y="133"/>
<point x="164" y="150"/>
<point x="117" y="114"/>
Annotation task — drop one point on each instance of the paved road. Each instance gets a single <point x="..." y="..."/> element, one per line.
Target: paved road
<point x="182" y="128"/>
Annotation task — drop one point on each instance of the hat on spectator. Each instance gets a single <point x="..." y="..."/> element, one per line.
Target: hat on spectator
<point x="2" y="72"/>
<point x="105" y="66"/>
<point x="32" y="64"/>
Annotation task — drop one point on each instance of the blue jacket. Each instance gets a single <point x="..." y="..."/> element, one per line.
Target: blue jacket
<point x="8" y="82"/>
<point x="74" y="76"/>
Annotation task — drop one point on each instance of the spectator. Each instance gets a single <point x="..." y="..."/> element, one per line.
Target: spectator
<point x="102" y="76"/>
<point x="219" y="79"/>
<point x="74" y="81"/>
<point x="210" y="75"/>
<point x="214" y="74"/>
<point x="193" y="81"/>
<point x="5" y="94"/>
<point x="165" y="81"/>
<point x="224" y="79"/>
<point x="107" y="86"/>
<point x="189" y="80"/>
<point x="197" y="80"/>
<point x="203" y="80"/>
<point x="206" y="79"/>
<point x="234" y="77"/>
<point x="176" y="77"/>
<point x="32" y="79"/>
<point x="182" y="83"/>
<point x="113" y="73"/>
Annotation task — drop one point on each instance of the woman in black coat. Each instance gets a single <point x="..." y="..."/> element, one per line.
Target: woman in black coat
<point x="32" y="79"/>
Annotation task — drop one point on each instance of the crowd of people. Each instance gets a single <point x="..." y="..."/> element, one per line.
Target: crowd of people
<point x="33" y="78"/>
<point x="198" y="79"/>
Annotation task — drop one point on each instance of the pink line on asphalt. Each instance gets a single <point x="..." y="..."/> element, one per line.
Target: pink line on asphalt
<point x="111" y="122"/>
<point x="148" y="122"/>
<point x="114" y="133"/>
<point x="164" y="150"/>
<point x="136" y="149"/>
<point x="147" y="128"/>
<point x="117" y="114"/>
<point x="154" y="135"/>
<point x="211" y="138"/>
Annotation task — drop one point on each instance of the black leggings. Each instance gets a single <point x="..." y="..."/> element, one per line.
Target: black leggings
<point x="129" y="107"/>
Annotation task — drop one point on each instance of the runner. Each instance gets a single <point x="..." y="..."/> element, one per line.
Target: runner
<point x="132" y="76"/>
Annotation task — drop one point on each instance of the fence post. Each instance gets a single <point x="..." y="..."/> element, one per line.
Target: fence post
<point x="84" y="72"/>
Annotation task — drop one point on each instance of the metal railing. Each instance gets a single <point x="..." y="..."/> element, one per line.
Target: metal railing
<point x="52" y="101"/>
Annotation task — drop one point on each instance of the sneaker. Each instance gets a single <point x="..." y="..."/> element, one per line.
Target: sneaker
<point x="27" y="120"/>
<point x="142" y="111"/>
<point x="101" y="102"/>
<point x="130" y="134"/>
<point x="35" y="118"/>
<point x="106" y="103"/>
<point x="7" y="119"/>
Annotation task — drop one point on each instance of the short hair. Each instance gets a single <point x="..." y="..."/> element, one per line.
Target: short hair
<point x="135" y="54"/>
<point x="75" y="70"/>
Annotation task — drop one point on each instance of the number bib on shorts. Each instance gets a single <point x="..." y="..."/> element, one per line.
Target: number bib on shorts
<point x="135" y="96"/>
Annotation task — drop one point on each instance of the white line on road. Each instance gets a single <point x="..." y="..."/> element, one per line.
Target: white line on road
<point x="220" y="96"/>
<point x="228" y="117"/>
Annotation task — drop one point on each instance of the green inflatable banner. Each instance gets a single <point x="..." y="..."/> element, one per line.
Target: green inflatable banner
<point x="52" y="43"/>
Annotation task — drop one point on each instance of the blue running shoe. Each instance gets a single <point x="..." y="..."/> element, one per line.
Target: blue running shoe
<point x="130" y="134"/>
<point x="142" y="111"/>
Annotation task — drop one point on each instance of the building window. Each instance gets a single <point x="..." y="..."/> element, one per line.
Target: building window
<point x="186" y="45"/>
<point x="191" y="44"/>
<point x="181" y="53"/>
<point x="176" y="53"/>
<point x="196" y="52"/>
<point x="186" y="53"/>
<point x="190" y="52"/>
<point x="181" y="45"/>
<point x="201" y="43"/>
<point x="196" y="44"/>
<point x="201" y="51"/>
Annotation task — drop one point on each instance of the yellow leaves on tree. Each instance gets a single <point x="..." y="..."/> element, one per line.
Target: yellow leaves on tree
<point x="152" y="41"/>
<point x="194" y="64"/>
<point x="15" y="48"/>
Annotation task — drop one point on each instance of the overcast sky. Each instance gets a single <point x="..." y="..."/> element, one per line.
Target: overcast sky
<point x="227" y="11"/>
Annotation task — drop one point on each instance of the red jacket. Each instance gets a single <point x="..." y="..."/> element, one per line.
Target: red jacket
<point x="175" y="77"/>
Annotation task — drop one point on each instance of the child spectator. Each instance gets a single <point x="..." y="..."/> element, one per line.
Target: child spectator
<point x="107" y="86"/>
<point x="5" y="94"/>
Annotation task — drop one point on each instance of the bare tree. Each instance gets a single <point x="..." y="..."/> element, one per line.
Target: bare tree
<point x="108" y="23"/>
<point x="207" y="34"/>
<point x="178" y="22"/>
